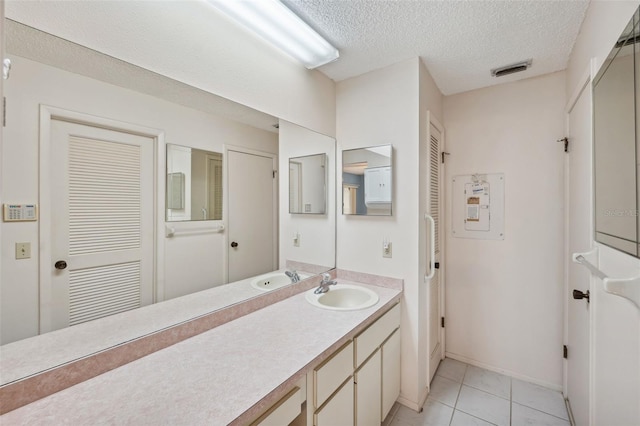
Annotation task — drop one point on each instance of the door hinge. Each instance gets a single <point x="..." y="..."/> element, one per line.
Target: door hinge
<point x="4" y="111"/>
<point x="565" y="351"/>
<point x="274" y="173"/>
<point x="565" y="140"/>
<point x="443" y="154"/>
<point x="442" y="322"/>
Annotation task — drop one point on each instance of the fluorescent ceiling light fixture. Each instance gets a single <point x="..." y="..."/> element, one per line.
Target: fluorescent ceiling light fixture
<point x="277" y="24"/>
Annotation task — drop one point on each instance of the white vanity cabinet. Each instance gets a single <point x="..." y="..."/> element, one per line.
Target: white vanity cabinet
<point x="359" y="384"/>
<point x="390" y="372"/>
<point x="377" y="364"/>
<point x="368" y="388"/>
<point x="330" y="390"/>
<point x="287" y="409"/>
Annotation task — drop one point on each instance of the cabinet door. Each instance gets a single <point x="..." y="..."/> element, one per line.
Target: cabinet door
<point x="390" y="372"/>
<point x="338" y="410"/>
<point x="368" y="387"/>
<point x="371" y="185"/>
<point x="377" y="185"/>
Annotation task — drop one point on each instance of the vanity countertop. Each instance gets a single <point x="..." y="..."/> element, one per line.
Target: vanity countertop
<point x="217" y="377"/>
<point x="33" y="355"/>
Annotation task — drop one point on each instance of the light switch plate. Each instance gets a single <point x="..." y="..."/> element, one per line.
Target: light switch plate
<point x="386" y="249"/>
<point x="23" y="250"/>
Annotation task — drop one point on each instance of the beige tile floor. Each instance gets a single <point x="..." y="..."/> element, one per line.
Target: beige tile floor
<point x="465" y="395"/>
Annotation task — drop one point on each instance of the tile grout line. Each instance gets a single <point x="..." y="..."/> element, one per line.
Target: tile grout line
<point x="543" y="412"/>
<point x="510" y="401"/>
<point x="455" y="404"/>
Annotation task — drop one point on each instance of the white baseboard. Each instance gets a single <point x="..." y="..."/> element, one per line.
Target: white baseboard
<point x="554" y="386"/>
<point x="415" y="406"/>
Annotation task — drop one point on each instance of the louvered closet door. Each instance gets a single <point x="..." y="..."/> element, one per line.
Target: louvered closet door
<point x="102" y="222"/>
<point x="435" y="284"/>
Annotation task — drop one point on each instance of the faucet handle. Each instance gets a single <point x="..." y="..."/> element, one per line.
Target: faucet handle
<point x="326" y="276"/>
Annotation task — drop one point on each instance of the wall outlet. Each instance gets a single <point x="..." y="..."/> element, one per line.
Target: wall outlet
<point x="23" y="250"/>
<point x="386" y="249"/>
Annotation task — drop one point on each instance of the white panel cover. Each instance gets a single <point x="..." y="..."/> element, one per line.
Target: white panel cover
<point x="104" y="196"/>
<point x="102" y="291"/>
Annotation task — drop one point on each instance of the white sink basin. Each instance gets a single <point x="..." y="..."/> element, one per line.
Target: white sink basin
<point x="274" y="280"/>
<point x="343" y="297"/>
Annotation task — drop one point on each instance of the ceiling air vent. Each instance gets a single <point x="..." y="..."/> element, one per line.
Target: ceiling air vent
<point x="510" y="69"/>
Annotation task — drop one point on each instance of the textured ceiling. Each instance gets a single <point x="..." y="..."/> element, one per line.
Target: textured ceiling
<point x="458" y="41"/>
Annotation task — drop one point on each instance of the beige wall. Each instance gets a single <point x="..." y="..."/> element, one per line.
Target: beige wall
<point x="191" y="263"/>
<point x="504" y="298"/>
<point x="377" y="108"/>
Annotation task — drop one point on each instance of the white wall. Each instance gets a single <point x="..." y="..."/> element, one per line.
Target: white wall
<point x="192" y="263"/>
<point x="615" y="321"/>
<point x="317" y="231"/>
<point x="377" y="108"/>
<point x="192" y="43"/>
<point x="504" y="299"/>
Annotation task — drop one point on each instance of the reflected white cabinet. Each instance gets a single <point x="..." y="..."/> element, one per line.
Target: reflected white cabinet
<point x="377" y="187"/>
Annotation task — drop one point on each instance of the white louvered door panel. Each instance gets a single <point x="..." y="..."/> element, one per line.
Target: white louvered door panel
<point x="434" y="200"/>
<point x="434" y="183"/>
<point x="102" y="222"/>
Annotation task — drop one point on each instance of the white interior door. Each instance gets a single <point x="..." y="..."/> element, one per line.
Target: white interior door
<point x="102" y="224"/>
<point x="251" y="214"/>
<point x="435" y="293"/>
<point x="579" y="225"/>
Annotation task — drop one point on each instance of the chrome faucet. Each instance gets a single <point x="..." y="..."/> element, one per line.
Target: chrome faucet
<point x="324" y="284"/>
<point x="293" y="276"/>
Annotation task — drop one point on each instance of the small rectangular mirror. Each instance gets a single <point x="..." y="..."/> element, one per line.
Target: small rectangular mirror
<point x="367" y="181"/>
<point x="308" y="184"/>
<point x="194" y="184"/>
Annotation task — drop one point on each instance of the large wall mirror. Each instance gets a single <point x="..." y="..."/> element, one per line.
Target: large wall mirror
<point x="616" y="98"/>
<point x="203" y="145"/>
<point x="367" y="181"/>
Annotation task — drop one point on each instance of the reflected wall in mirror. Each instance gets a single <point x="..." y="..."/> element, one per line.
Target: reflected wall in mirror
<point x="616" y="155"/>
<point x="48" y="70"/>
<point x="308" y="184"/>
<point x="194" y="184"/>
<point x="367" y="181"/>
<point x="299" y="233"/>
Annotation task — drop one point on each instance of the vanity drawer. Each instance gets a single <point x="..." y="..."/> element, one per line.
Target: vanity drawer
<point x="371" y="338"/>
<point x="284" y="411"/>
<point x="329" y="375"/>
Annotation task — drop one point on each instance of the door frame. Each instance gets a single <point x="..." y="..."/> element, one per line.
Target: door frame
<point x="225" y="202"/>
<point x="583" y="84"/>
<point x="432" y="120"/>
<point x="49" y="113"/>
